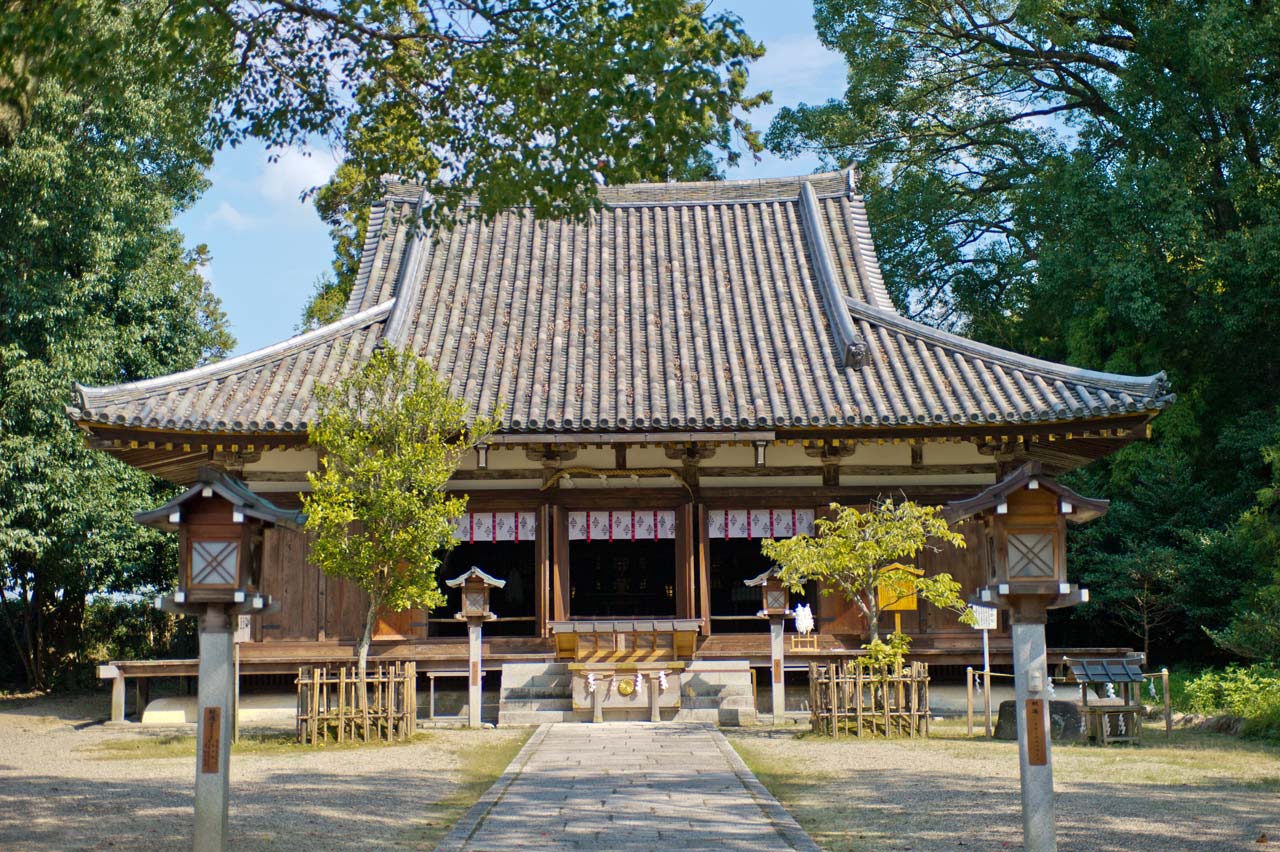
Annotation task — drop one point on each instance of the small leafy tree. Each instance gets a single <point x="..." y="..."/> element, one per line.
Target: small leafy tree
<point x="857" y="553"/>
<point x="390" y="436"/>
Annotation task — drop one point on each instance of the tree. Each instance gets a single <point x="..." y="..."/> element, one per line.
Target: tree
<point x="508" y="102"/>
<point x="856" y="553"/>
<point x="1254" y="629"/>
<point x="389" y="436"/>
<point x="1090" y="183"/>
<point x="94" y="287"/>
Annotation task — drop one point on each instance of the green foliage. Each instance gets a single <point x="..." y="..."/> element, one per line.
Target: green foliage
<point x="887" y="656"/>
<point x="94" y="287"/>
<point x="326" y="304"/>
<point x="123" y="629"/>
<point x="1252" y="693"/>
<point x="856" y="553"/>
<point x="1093" y="183"/>
<point x="389" y="436"/>
<point x="510" y="102"/>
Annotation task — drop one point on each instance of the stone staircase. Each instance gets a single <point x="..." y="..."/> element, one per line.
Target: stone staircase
<point x="533" y="693"/>
<point x="717" y="691"/>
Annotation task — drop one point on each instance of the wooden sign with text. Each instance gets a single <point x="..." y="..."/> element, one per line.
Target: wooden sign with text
<point x="211" y="740"/>
<point x="1037" y="748"/>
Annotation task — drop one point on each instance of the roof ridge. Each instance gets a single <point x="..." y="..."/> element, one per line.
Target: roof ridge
<point x="839" y="182"/>
<point x="301" y="341"/>
<point x="1154" y="385"/>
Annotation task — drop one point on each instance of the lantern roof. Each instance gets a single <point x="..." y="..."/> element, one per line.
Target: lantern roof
<point x="475" y="572"/>
<point x="211" y="481"/>
<point x="1029" y="476"/>
<point x="774" y="571"/>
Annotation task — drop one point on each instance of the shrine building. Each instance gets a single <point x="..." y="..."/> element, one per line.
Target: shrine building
<point x="693" y="369"/>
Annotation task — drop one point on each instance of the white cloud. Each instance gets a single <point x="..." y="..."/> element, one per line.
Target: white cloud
<point x="226" y="214"/>
<point x="799" y="67"/>
<point x="293" y="172"/>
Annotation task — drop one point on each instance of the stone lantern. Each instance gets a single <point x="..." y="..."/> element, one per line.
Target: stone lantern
<point x="220" y="525"/>
<point x="475" y="585"/>
<point x="1024" y="520"/>
<point x="775" y="607"/>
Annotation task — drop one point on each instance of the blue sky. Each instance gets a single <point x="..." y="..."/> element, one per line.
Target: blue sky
<point x="268" y="247"/>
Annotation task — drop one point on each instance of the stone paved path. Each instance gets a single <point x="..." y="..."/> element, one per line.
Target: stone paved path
<point x="628" y="787"/>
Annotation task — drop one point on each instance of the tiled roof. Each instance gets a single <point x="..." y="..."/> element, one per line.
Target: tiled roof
<point x="719" y="305"/>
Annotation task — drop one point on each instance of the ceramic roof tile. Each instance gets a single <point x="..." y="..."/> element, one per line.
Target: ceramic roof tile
<point x="678" y="307"/>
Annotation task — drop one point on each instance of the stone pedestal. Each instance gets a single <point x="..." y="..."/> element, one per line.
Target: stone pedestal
<point x="1064" y="722"/>
<point x="213" y="730"/>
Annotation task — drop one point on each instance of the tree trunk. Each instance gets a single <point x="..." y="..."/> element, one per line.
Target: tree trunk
<point x="362" y="663"/>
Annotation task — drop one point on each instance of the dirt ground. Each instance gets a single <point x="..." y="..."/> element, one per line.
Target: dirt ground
<point x="61" y="791"/>
<point x="1197" y="793"/>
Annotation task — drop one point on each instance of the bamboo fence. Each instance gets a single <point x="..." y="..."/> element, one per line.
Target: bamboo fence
<point x="329" y="705"/>
<point x="853" y="697"/>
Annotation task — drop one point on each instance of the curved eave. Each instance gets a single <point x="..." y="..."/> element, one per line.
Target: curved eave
<point x="90" y="400"/>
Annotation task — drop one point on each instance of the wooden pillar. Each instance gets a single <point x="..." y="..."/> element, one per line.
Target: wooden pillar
<point x="559" y="519"/>
<point x="703" y="547"/>
<point x="684" y="561"/>
<point x="542" y="569"/>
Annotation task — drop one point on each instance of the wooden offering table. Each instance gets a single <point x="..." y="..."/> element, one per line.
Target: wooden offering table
<point x="625" y="640"/>
<point x="627" y="665"/>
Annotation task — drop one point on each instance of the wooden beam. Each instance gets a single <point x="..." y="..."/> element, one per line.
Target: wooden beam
<point x="704" y="568"/>
<point x="684" y="561"/>
<point x="559" y="520"/>
<point x="542" y="568"/>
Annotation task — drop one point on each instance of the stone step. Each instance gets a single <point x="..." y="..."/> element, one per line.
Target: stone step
<point x="535" y="704"/>
<point x="519" y="692"/>
<point x="515" y="717"/>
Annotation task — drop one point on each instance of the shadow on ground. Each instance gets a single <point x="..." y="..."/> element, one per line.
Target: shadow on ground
<point x="280" y="811"/>
<point x="922" y="803"/>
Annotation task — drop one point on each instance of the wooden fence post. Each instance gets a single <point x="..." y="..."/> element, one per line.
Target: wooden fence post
<point x="968" y="700"/>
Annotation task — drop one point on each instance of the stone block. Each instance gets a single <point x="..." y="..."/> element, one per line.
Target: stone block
<point x="1064" y="721"/>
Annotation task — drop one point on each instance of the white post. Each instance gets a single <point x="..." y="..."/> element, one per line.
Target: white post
<point x="777" y="675"/>
<point x="213" y="731"/>
<point x="986" y="678"/>
<point x="474" y="694"/>
<point x="1030" y="674"/>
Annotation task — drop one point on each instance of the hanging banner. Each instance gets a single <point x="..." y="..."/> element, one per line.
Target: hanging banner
<point x="478" y="527"/>
<point x="622" y="525"/>
<point x="758" y="523"/>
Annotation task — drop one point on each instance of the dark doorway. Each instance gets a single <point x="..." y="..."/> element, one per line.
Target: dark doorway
<point x="733" y="603"/>
<point x="622" y="579"/>
<point x="502" y="560"/>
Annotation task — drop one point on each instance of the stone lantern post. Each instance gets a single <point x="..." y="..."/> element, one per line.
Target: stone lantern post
<point x="1024" y="519"/>
<point x="220" y="524"/>
<point x="475" y="612"/>
<point x="775" y="601"/>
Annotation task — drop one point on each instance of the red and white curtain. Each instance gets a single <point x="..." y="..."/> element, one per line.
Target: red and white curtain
<point x="622" y="525"/>
<point x="758" y="523"/>
<point x="496" y="526"/>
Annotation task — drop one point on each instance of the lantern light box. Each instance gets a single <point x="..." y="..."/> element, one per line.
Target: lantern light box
<point x="1024" y="520"/>
<point x="220" y="525"/>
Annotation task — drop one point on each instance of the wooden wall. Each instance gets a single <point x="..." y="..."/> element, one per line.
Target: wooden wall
<point x="312" y="606"/>
<point x="319" y="608"/>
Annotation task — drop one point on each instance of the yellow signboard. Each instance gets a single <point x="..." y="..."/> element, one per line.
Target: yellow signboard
<point x="897" y="593"/>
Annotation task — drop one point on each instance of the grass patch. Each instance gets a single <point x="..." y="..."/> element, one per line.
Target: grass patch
<point x="873" y="794"/>
<point x="481" y="764"/>
<point x="164" y="746"/>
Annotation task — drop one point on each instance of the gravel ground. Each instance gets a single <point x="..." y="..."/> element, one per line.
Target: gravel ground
<point x="58" y="795"/>
<point x="1203" y="793"/>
